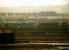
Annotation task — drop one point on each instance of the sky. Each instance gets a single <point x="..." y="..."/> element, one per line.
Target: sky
<point x="34" y="3"/>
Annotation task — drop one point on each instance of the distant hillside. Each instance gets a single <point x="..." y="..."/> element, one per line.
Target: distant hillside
<point x="58" y="9"/>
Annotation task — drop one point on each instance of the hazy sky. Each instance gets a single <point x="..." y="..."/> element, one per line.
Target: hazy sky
<point x="36" y="3"/>
<point x="33" y="5"/>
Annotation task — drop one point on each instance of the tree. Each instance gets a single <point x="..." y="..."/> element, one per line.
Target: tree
<point x="64" y="28"/>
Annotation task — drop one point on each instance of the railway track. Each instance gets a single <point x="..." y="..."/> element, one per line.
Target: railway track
<point x="35" y="46"/>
